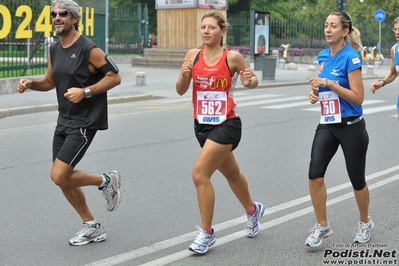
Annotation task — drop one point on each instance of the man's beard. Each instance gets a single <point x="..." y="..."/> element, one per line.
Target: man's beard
<point x="63" y="31"/>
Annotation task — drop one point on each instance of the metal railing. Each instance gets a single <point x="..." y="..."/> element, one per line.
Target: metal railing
<point x="25" y="56"/>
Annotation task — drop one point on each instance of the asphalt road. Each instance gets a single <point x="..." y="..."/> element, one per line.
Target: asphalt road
<point x="153" y="146"/>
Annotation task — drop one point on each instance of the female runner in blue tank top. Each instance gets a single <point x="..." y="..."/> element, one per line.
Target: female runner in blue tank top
<point x="339" y="89"/>
<point x="394" y="68"/>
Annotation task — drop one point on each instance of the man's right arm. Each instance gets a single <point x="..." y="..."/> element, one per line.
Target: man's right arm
<point x="389" y="77"/>
<point x="392" y="74"/>
<point x="45" y="83"/>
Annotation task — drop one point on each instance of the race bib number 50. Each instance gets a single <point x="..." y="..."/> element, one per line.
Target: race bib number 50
<point x="211" y="107"/>
<point x="330" y="108"/>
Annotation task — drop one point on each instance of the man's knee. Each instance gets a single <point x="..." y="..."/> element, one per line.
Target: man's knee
<point x="61" y="173"/>
<point x="57" y="177"/>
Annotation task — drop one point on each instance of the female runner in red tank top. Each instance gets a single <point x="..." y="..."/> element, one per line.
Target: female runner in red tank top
<point x="214" y="71"/>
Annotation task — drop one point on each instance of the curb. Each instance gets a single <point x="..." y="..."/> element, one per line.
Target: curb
<point x="53" y="107"/>
<point x="141" y="97"/>
<point x="27" y="110"/>
<point x="133" y="98"/>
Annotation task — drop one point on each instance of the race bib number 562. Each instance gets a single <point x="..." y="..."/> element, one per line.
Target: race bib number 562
<point x="211" y="107"/>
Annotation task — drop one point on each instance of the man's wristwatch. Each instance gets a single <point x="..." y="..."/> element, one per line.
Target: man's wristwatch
<point x="88" y="93"/>
<point x="383" y="82"/>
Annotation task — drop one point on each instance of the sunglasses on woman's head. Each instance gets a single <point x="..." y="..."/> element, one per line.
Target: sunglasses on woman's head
<point x="62" y="13"/>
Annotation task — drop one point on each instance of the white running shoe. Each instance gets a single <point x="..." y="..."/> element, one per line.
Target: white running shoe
<point x="111" y="192"/>
<point x="318" y="233"/>
<point x="203" y="241"/>
<point x="363" y="232"/>
<point x="89" y="234"/>
<point x="253" y="224"/>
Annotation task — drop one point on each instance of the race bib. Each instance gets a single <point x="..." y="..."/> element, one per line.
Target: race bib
<point x="211" y="107"/>
<point x="330" y="108"/>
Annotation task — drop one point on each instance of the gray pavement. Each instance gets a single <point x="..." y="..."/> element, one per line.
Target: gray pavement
<point x="159" y="82"/>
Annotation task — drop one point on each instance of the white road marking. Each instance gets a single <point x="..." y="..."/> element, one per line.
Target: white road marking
<point x="240" y="234"/>
<point x="238" y="98"/>
<point x="285" y="99"/>
<point x="287" y="105"/>
<point x="366" y="102"/>
<point x="121" y="258"/>
<point x="374" y="110"/>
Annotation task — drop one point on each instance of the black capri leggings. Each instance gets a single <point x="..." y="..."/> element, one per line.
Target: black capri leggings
<point x="354" y="141"/>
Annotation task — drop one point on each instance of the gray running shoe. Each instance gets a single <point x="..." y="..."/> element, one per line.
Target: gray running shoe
<point x="253" y="224"/>
<point x="111" y="192"/>
<point x="89" y="234"/>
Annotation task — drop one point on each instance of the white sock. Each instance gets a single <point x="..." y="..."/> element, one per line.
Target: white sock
<point x="91" y="223"/>
<point x="104" y="181"/>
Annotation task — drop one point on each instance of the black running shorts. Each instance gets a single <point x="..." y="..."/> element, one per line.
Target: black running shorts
<point x="70" y="144"/>
<point x="229" y="132"/>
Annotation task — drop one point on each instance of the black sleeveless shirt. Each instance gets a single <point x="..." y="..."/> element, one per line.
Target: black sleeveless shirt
<point x="71" y="69"/>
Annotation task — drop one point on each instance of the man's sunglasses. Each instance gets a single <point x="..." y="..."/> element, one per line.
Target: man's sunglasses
<point x="62" y="13"/>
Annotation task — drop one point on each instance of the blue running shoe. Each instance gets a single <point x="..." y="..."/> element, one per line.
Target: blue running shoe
<point x="318" y="233"/>
<point x="363" y="231"/>
<point x="203" y="241"/>
<point x="253" y="224"/>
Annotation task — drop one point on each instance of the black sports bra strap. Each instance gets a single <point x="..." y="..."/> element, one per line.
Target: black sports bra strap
<point x="196" y="58"/>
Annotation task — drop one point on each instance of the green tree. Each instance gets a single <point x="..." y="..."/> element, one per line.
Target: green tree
<point x="311" y="13"/>
<point x="152" y="12"/>
<point x="362" y="14"/>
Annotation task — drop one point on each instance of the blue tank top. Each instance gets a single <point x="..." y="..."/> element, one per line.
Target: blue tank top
<point x="337" y="68"/>
<point x="396" y="57"/>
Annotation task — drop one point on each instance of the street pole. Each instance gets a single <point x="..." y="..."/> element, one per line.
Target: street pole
<point x="379" y="15"/>
<point x="379" y="40"/>
<point x="339" y="5"/>
<point x="139" y="16"/>
<point x="145" y="22"/>
<point x="106" y="24"/>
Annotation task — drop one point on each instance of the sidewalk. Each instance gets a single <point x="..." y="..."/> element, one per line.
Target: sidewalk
<point x="159" y="83"/>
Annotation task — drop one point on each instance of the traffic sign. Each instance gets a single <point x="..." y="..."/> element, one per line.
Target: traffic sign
<point x="379" y="15"/>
